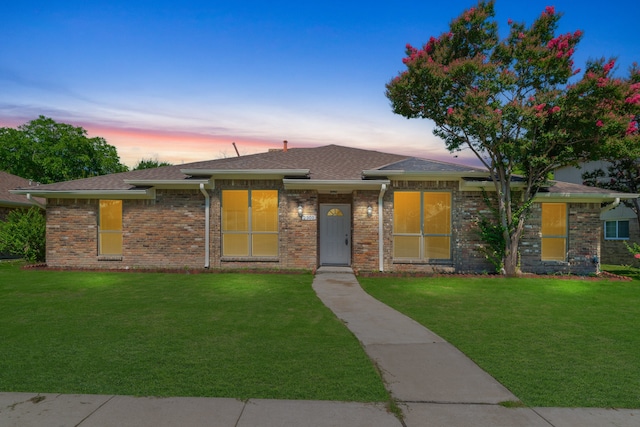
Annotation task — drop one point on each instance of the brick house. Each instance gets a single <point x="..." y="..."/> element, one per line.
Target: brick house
<point x="302" y="208"/>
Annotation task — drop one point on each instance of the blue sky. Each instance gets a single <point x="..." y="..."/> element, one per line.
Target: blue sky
<point x="180" y="81"/>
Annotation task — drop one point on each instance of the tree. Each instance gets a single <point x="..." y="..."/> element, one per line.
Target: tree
<point x="511" y="102"/>
<point x="23" y="234"/>
<point x="150" y="164"/>
<point x="46" y="151"/>
<point x="622" y="175"/>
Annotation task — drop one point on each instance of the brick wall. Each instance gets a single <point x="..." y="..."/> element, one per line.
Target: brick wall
<point x="584" y="230"/>
<point x="615" y="251"/>
<point x="168" y="232"/>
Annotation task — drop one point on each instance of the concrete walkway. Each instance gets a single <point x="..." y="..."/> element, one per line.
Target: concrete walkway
<point x="434" y="384"/>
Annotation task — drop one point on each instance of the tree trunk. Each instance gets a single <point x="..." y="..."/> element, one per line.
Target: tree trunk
<point x="512" y="254"/>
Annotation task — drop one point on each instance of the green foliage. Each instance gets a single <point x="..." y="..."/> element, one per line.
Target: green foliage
<point x="46" y="151"/>
<point x="156" y="334"/>
<point x="514" y="104"/>
<point x="552" y="342"/>
<point x="23" y="234"/>
<point x="150" y="164"/>
<point x="622" y="175"/>
<point x="492" y="234"/>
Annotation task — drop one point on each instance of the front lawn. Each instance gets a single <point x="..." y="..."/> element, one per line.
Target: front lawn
<point x="151" y="334"/>
<point x="552" y="342"/>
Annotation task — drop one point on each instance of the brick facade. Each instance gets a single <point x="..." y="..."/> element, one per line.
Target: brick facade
<point x="615" y="251"/>
<point x="168" y="232"/>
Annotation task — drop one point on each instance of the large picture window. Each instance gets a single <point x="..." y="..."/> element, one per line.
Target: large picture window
<point x="110" y="227"/>
<point x="250" y="223"/>
<point x="554" y="231"/>
<point x="421" y="225"/>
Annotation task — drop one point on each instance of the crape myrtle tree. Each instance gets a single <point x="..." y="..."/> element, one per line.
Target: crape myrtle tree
<point x="46" y="151"/>
<point x="518" y="104"/>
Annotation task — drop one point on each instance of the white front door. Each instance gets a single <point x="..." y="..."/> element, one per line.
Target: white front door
<point x="335" y="234"/>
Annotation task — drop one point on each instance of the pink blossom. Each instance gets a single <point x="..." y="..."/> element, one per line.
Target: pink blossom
<point x="540" y="107"/>
<point x="633" y="99"/>
<point x="599" y="123"/>
<point x="555" y="109"/>
<point x="550" y="10"/>
<point x="637" y="256"/>
<point x="633" y="128"/>
<point x="449" y="111"/>
<point x="521" y="35"/>
<point x="609" y="66"/>
<point x="577" y="34"/>
<point x="510" y="21"/>
<point x="577" y="70"/>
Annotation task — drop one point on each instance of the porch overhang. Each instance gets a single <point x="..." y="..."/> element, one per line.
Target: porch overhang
<point x="334" y="186"/>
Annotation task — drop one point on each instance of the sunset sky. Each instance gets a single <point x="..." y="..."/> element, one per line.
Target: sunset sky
<point x="181" y="80"/>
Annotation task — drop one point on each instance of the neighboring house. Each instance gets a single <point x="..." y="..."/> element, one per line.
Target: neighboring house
<point x="9" y="201"/>
<point x="302" y="208"/>
<point x="619" y="223"/>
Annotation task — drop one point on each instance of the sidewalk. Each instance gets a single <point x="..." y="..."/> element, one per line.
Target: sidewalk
<point x="433" y="382"/>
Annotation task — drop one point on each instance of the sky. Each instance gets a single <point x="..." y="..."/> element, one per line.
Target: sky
<point x="179" y="81"/>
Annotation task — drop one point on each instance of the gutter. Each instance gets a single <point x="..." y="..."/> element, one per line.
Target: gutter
<point x="35" y="202"/>
<point x="383" y="189"/>
<point x="207" y="225"/>
<point x="613" y="205"/>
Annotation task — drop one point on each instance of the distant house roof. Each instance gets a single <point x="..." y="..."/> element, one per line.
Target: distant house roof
<point x="10" y="182"/>
<point x="330" y="167"/>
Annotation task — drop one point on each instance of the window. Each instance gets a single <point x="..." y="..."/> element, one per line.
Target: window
<point x="110" y="227"/>
<point x="421" y="225"/>
<point x="250" y="223"/>
<point x="554" y="231"/>
<point x="616" y="230"/>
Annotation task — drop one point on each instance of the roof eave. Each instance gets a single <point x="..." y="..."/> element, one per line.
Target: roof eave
<point x="583" y="197"/>
<point x="169" y="183"/>
<point x="147" y="193"/>
<point x="247" y="173"/>
<point x="334" y="186"/>
<point x="431" y="175"/>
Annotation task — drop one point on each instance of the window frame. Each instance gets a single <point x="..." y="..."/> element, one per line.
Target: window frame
<point x="554" y="237"/>
<point x="250" y="232"/>
<point x="422" y="235"/>
<point x="617" y="236"/>
<point x="102" y="233"/>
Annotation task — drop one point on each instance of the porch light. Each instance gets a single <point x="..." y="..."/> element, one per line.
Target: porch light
<point x="300" y="211"/>
<point x="369" y="211"/>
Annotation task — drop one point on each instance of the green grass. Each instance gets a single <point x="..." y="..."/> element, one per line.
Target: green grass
<point x="151" y="334"/>
<point x="552" y="342"/>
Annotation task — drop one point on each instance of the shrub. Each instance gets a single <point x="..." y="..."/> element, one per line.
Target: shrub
<point x="23" y="234"/>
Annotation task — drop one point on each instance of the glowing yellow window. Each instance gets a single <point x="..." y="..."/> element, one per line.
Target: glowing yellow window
<point x="437" y="225"/>
<point x="110" y="227"/>
<point x="250" y="223"/>
<point x="422" y="225"/>
<point x="554" y="231"/>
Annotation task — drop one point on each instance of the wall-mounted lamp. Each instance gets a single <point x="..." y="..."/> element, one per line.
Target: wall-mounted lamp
<point x="369" y="211"/>
<point x="300" y="211"/>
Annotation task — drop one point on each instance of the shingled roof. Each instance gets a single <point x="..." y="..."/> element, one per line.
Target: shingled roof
<point x="9" y="182"/>
<point x="327" y="165"/>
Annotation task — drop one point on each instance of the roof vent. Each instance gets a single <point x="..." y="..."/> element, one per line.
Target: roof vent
<point x="284" y="145"/>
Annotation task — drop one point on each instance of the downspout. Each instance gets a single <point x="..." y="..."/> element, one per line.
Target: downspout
<point x="383" y="189"/>
<point x="207" y="208"/>
<point x="35" y="202"/>
<point x="613" y="205"/>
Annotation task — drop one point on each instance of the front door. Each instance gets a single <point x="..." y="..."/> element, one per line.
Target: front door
<point x="335" y="234"/>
